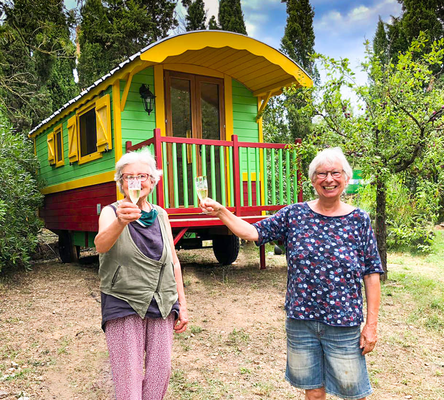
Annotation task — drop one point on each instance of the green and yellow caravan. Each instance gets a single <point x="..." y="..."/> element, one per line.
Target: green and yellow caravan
<point x="196" y="100"/>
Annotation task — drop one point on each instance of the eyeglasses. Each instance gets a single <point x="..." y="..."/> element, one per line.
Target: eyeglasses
<point x="139" y="177"/>
<point x="334" y="174"/>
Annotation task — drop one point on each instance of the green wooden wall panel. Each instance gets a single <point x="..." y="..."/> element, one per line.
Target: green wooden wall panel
<point x="137" y="125"/>
<point x="244" y="118"/>
<point x="249" y="109"/>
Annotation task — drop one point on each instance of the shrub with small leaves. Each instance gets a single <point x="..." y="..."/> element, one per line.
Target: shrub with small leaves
<point x="19" y="198"/>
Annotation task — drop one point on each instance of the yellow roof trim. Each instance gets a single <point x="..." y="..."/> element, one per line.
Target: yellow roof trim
<point x="199" y="40"/>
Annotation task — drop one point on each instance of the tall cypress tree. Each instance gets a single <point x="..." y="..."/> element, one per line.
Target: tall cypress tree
<point x="116" y="29"/>
<point x="196" y="15"/>
<point x="231" y="17"/>
<point x="417" y="16"/>
<point x="380" y="43"/>
<point x="298" y="44"/>
<point x="38" y="59"/>
<point x="422" y="16"/>
<point x="299" y="38"/>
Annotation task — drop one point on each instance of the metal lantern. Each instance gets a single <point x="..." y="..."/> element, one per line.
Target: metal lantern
<point x="147" y="98"/>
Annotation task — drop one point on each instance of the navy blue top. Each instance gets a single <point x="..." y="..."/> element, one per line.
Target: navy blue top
<point x="149" y="241"/>
<point x="327" y="258"/>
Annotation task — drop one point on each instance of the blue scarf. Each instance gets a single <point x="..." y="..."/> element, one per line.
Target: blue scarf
<point x="148" y="218"/>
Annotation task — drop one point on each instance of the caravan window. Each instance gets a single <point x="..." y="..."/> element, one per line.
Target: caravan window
<point x="88" y="133"/>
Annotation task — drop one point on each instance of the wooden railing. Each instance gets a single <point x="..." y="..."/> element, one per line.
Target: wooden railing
<point x="248" y="178"/>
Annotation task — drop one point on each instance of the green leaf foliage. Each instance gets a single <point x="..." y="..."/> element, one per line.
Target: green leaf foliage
<point x="37" y="59"/>
<point x="426" y="17"/>
<point x="113" y="30"/>
<point x="299" y="38"/>
<point x="231" y="17"/>
<point x="19" y="199"/>
<point x="212" y="23"/>
<point x="298" y="44"/>
<point x="196" y="15"/>
<point x="412" y="212"/>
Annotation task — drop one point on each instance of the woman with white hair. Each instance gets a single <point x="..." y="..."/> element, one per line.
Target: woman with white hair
<point x="141" y="285"/>
<point x="331" y="248"/>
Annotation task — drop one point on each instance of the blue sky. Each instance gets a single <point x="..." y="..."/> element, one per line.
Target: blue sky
<point x="341" y="26"/>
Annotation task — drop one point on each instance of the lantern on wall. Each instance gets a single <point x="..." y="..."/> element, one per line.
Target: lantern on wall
<point x="147" y="98"/>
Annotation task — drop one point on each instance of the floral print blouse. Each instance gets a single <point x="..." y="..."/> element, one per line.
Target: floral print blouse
<point x="327" y="258"/>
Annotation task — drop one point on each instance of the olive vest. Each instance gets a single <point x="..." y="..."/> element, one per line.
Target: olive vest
<point x="128" y="274"/>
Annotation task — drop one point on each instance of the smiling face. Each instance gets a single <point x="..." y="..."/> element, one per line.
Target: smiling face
<point x="136" y="169"/>
<point x="330" y="180"/>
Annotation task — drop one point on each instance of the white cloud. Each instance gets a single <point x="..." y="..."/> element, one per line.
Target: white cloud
<point x="358" y="20"/>
<point x="254" y="22"/>
<point x="251" y="29"/>
<point x="359" y="14"/>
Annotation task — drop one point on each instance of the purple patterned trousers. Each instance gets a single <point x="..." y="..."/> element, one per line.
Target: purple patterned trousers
<point x="140" y="356"/>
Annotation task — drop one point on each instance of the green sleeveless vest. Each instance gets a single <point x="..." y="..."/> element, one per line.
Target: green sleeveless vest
<point x="126" y="273"/>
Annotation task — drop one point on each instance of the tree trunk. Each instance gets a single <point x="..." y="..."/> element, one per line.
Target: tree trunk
<point x="381" y="226"/>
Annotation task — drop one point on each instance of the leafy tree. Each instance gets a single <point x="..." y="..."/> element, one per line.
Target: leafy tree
<point x="196" y="15"/>
<point x="19" y="198"/>
<point x="396" y="39"/>
<point x="117" y="29"/>
<point x="398" y="129"/>
<point x="212" y="23"/>
<point x="417" y="16"/>
<point x="422" y="16"/>
<point x="231" y="17"/>
<point x="36" y="60"/>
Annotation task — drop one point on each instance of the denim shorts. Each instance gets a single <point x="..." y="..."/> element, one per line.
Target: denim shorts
<point x="319" y="355"/>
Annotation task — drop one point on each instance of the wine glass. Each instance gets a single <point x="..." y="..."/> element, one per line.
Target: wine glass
<point x="201" y="187"/>
<point x="134" y="187"/>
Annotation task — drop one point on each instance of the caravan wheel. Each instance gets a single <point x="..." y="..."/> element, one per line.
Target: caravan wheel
<point x="226" y="248"/>
<point x="67" y="251"/>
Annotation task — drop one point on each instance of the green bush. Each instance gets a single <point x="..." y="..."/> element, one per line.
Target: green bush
<point x="19" y="199"/>
<point x="412" y="211"/>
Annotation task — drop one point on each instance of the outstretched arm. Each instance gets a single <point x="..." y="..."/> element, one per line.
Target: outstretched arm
<point x="238" y="226"/>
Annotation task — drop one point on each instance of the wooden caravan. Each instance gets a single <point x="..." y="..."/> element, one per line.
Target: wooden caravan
<point x="210" y="89"/>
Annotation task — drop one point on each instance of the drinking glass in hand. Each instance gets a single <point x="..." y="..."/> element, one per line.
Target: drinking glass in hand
<point x="201" y="187"/>
<point x="134" y="187"/>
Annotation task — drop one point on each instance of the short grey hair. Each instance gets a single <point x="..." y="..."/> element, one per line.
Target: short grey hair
<point x="329" y="156"/>
<point x="144" y="156"/>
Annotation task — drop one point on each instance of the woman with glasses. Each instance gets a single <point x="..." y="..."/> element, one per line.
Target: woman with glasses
<point x="141" y="285"/>
<point x="331" y="249"/>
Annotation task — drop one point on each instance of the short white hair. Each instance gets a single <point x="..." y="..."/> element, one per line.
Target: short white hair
<point x="329" y="156"/>
<point x="143" y="156"/>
